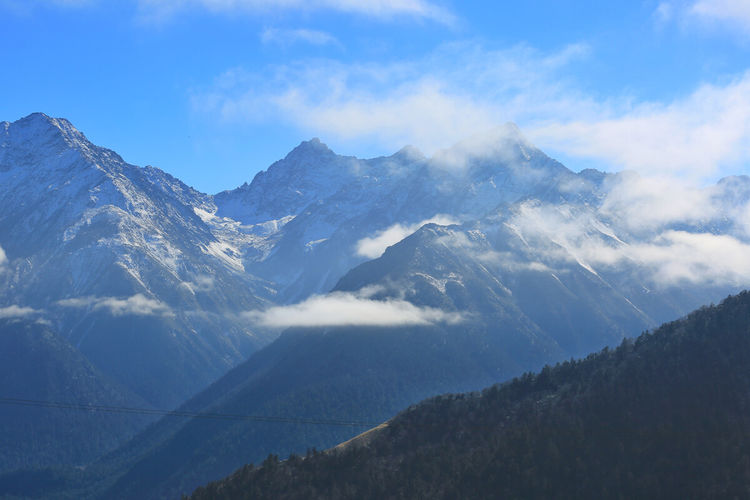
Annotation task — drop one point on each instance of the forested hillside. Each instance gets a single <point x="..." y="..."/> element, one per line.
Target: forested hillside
<point x="38" y="366"/>
<point x="663" y="416"/>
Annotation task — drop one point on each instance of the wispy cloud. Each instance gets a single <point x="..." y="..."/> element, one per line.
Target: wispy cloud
<point x="138" y="305"/>
<point x="287" y="37"/>
<point x="16" y="311"/>
<point x="717" y="17"/>
<point x="728" y="12"/>
<point x="664" y="12"/>
<point x="646" y="204"/>
<point x="72" y="3"/>
<point x="694" y="136"/>
<point x="458" y="90"/>
<point x="3" y="259"/>
<point x="380" y="9"/>
<point x="463" y="89"/>
<point x="478" y="248"/>
<point x="350" y="309"/>
<point x="666" y="256"/>
<point x="23" y="6"/>
<point x="200" y="283"/>
<point x="374" y="246"/>
<point x="678" y="257"/>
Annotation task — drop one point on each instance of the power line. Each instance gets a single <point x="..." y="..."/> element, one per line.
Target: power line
<point x="180" y="413"/>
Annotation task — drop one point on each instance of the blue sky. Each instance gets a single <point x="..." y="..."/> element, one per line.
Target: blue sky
<point x="214" y="90"/>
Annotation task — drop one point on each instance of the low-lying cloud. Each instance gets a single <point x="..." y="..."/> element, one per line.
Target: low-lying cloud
<point x="16" y="311"/>
<point x="478" y="248"/>
<point x="138" y="305"/>
<point x="200" y="283"/>
<point x="374" y="246"/>
<point x="677" y="257"/>
<point x="667" y="255"/>
<point x="350" y="309"/>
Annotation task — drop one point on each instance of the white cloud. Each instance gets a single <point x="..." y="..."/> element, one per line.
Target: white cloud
<point x="510" y="262"/>
<point x="645" y="204"/>
<point x="382" y="9"/>
<point x="667" y="256"/>
<point x="292" y="36"/>
<point x="3" y="258"/>
<point x="677" y="257"/>
<point x="138" y="305"/>
<point x="694" y="136"/>
<point x="664" y="12"/>
<point x="478" y="248"/>
<point x="463" y="89"/>
<point x="15" y="311"/>
<point x="200" y="283"/>
<point x="457" y="91"/>
<point x="732" y="12"/>
<point x="350" y="309"/>
<point x="373" y="247"/>
<point x="716" y="17"/>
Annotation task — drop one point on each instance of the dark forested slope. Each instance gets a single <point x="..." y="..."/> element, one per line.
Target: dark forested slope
<point x="363" y="374"/>
<point x="664" y="416"/>
<point x="36" y="364"/>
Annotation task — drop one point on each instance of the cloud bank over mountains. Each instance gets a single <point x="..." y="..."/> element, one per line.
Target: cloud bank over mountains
<point x="666" y="256"/>
<point x="138" y="305"/>
<point x="351" y="309"/>
<point x="461" y="89"/>
<point x="16" y="311"/>
<point x="374" y="246"/>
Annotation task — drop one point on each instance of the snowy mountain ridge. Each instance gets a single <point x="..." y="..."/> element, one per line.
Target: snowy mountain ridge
<point x="89" y="237"/>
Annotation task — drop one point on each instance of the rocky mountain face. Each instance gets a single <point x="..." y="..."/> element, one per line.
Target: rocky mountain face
<point x="323" y="204"/>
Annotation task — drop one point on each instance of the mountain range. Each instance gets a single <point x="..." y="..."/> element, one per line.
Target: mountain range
<point x="329" y="288"/>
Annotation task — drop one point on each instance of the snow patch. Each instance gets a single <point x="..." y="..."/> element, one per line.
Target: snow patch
<point x="228" y="254"/>
<point x="310" y="245"/>
<point x="204" y="215"/>
<point x="440" y="284"/>
<point x="138" y="305"/>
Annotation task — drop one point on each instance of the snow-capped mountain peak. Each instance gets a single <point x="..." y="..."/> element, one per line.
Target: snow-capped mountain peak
<point x="43" y="130"/>
<point x="307" y="149"/>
